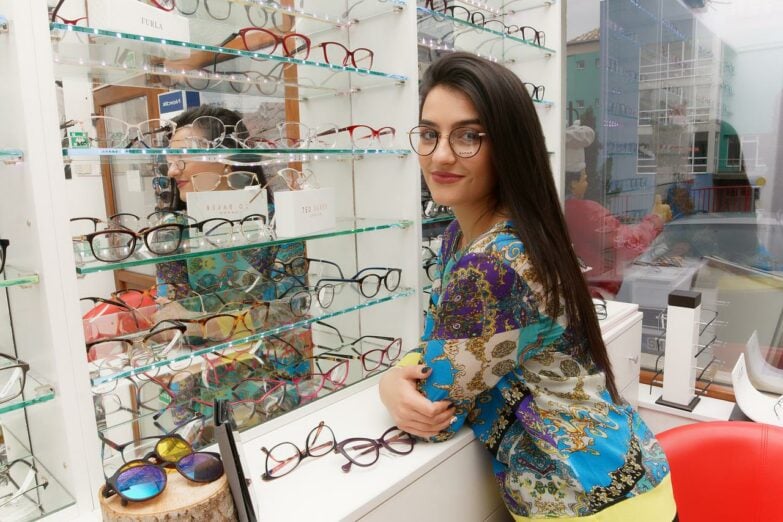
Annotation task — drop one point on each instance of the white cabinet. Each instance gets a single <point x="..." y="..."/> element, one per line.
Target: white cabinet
<point x="622" y="333"/>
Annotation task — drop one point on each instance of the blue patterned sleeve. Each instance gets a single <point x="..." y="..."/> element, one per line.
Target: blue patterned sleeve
<point x="475" y="337"/>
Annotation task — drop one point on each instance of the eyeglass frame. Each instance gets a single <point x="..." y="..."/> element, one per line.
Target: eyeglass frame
<point x="31" y="476"/>
<point x="440" y="135"/>
<point x="377" y="444"/>
<point x="362" y="356"/>
<point x="267" y="476"/>
<point x="20" y="365"/>
<point x="360" y="280"/>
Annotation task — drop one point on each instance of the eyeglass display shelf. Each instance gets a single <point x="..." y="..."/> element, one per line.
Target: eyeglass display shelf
<point x="13" y="276"/>
<point x="10" y="156"/>
<point x="237" y="156"/>
<point x="168" y="423"/>
<point x="500" y="7"/>
<point x="438" y="16"/>
<point x="54" y="497"/>
<point x="345" y="226"/>
<point x="35" y="391"/>
<point x="150" y="50"/>
<point x="437" y="219"/>
<point x="229" y="345"/>
<point x="337" y="20"/>
<point x="106" y="72"/>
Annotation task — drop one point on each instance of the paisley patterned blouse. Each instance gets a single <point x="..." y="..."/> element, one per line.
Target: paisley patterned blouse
<point x="528" y="388"/>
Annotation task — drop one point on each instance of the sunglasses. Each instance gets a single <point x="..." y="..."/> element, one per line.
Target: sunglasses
<point x="140" y="479"/>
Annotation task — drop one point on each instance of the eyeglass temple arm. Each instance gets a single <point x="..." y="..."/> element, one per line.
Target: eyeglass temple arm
<point x="342" y="341"/>
<point x="325" y="261"/>
<point x="386" y="268"/>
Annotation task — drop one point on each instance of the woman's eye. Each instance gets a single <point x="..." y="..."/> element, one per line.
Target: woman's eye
<point x="429" y="135"/>
<point x="468" y="135"/>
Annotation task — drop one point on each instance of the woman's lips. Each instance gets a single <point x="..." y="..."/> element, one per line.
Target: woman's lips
<point x="445" y="177"/>
<point x="181" y="183"/>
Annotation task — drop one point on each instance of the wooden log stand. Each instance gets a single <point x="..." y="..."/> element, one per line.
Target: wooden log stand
<point x="182" y="500"/>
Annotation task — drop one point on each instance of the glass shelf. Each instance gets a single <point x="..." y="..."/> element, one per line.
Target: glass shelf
<point x="514" y="49"/>
<point x="231" y="156"/>
<point x="437" y="219"/>
<point x="345" y="226"/>
<point x="343" y="19"/>
<point x="167" y="421"/>
<point x="12" y="276"/>
<point x="355" y="303"/>
<point x="517" y="6"/>
<point x="504" y="7"/>
<point x="51" y="499"/>
<point x="35" y="391"/>
<point x="11" y="156"/>
<point x="131" y="59"/>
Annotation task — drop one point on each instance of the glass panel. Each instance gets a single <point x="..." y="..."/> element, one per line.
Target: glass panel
<point x="345" y="226"/>
<point x="673" y="185"/>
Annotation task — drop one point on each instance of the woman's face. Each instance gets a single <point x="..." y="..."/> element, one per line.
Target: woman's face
<point x="182" y="169"/>
<point x="455" y="181"/>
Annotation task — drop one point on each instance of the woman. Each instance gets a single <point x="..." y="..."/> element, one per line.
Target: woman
<point x="511" y="343"/>
<point x="208" y="271"/>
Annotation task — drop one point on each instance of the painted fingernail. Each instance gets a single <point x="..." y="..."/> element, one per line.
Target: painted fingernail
<point x="453" y="420"/>
<point x="426" y="370"/>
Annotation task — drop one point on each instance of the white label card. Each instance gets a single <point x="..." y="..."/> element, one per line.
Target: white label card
<point x="228" y="204"/>
<point x="300" y="212"/>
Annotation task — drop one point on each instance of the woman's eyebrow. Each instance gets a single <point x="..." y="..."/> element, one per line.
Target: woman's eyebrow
<point x="461" y="123"/>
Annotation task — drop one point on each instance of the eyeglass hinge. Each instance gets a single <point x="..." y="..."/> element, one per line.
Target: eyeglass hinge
<point x="3" y="24"/>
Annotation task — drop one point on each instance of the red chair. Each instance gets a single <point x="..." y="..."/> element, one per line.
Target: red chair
<point x="726" y="471"/>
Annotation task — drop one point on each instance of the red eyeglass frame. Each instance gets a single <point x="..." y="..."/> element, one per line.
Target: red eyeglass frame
<point x="279" y="40"/>
<point x="348" y="54"/>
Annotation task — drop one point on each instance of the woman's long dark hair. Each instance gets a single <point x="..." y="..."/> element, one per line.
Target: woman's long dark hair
<point x="231" y="124"/>
<point x="525" y="189"/>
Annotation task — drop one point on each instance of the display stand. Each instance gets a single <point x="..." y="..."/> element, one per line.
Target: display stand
<point x="182" y="500"/>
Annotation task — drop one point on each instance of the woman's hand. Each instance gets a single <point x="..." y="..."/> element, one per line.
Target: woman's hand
<point x="411" y="411"/>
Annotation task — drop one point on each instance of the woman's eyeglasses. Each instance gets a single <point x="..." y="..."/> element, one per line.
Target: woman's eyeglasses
<point x="465" y="142"/>
<point x="365" y="452"/>
<point x="4" y="243"/>
<point x="13" y="376"/>
<point x="283" y="458"/>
